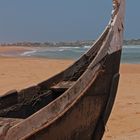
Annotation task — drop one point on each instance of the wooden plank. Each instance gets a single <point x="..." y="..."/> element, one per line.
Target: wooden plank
<point x="63" y="84"/>
<point x="5" y="124"/>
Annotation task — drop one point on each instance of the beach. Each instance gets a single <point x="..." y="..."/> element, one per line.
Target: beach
<point x="124" y="122"/>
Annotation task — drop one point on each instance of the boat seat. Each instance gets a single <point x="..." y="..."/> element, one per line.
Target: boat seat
<point x="62" y="86"/>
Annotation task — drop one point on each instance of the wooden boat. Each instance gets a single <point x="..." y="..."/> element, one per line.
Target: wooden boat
<point x="74" y="104"/>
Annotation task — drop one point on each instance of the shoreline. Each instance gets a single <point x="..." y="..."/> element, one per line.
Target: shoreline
<point x="129" y="56"/>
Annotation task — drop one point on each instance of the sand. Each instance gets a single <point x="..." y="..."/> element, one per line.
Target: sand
<point x="124" y="122"/>
<point x="18" y="73"/>
<point x="13" y="49"/>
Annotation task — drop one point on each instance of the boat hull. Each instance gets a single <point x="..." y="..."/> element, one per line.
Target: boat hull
<point x="86" y="119"/>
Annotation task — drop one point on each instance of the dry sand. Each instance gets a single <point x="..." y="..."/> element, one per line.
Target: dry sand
<point x="124" y="123"/>
<point x="18" y="73"/>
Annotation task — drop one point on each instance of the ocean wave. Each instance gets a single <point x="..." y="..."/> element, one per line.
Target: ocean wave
<point x="28" y="53"/>
<point x="69" y="47"/>
<point x="79" y="51"/>
<point x="61" y="50"/>
<point x="87" y="47"/>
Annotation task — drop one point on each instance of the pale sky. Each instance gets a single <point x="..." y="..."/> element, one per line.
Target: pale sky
<point x="61" y="20"/>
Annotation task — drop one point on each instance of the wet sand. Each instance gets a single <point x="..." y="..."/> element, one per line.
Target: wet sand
<point x="124" y="122"/>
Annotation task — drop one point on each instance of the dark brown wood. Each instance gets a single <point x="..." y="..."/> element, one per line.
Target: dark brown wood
<point x="8" y="99"/>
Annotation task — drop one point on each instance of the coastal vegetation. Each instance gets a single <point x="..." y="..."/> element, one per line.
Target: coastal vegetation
<point x="78" y="43"/>
<point x="132" y="42"/>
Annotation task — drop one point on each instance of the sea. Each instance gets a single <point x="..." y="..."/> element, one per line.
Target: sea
<point x="130" y="54"/>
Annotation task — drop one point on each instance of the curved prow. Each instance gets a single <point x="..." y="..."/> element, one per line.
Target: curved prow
<point x="117" y="27"/>
<point x="115" y="45"/>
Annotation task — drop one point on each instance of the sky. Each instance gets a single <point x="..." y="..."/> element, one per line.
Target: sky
<point x="61" y="20"/>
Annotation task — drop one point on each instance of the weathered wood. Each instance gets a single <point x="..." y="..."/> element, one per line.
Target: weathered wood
<point x="5" y="124"/>
<point x="64" y="85"/>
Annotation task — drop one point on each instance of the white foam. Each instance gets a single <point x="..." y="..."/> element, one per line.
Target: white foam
<point x="87" y="47"/>
<point x="28" y="53"/>
<point x="61" y="50"/>
<point x="66" y="47"/>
